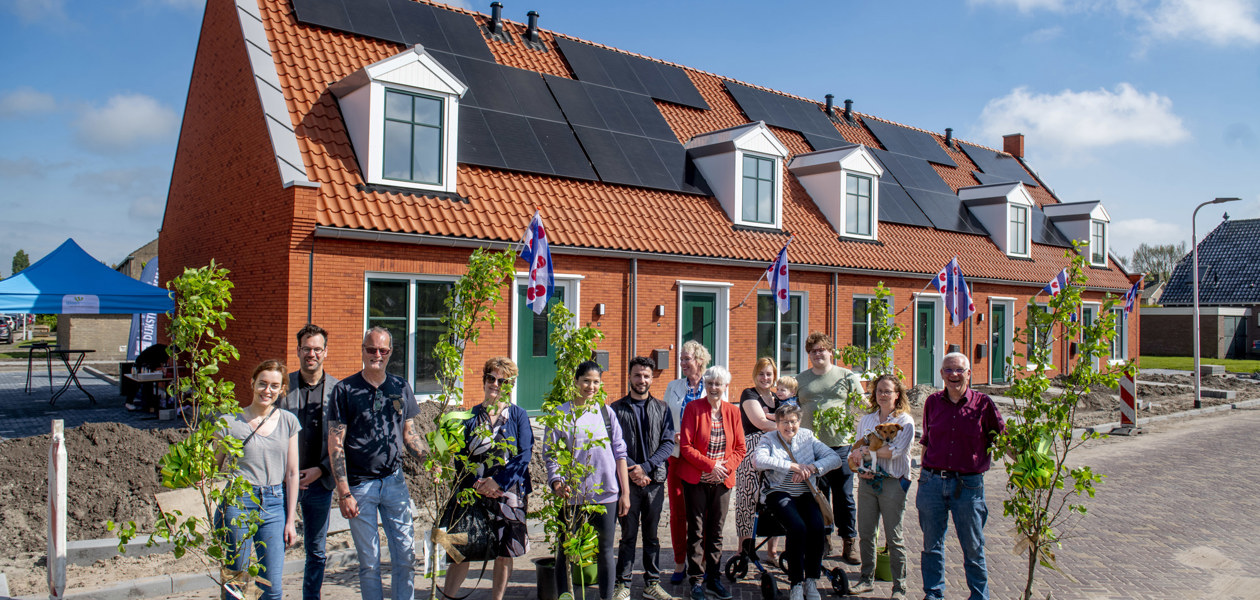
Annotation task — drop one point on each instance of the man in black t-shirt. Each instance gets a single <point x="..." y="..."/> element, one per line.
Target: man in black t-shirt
<point x="369" y="425"/>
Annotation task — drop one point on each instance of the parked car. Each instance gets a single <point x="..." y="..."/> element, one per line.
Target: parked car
<point x="6" y="332"/>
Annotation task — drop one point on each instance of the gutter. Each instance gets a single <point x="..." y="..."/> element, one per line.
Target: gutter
<point x="424" y="239"/>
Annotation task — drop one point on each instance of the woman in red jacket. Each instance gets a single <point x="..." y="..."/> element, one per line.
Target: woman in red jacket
<point x="711" y="446"/>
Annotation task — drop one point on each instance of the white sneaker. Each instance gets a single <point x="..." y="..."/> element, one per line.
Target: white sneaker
<point x="621" y="592"/>
<point x="811" y="589"/>
<point x="797" y="592"/>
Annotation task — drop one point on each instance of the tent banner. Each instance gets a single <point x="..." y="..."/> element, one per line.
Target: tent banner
<point x="143" y="325"/>
<point x="80" y="304"/>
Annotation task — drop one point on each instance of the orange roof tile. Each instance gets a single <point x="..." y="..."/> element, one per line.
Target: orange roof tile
<point x="600" y="215"/>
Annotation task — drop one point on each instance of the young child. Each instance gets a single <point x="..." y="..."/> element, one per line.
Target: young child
<point x="785" y="390"/>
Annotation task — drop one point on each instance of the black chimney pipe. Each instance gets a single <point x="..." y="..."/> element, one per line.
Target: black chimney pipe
<point x="848" y="110"/>
<point x="949" y="137"/>
<point x="496" y="17"/>
<point x="831" y="109"/>
<point x="531" y="33"/>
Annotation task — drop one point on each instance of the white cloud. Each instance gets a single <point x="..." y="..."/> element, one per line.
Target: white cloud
<point x="1043" y="35"/>
<point x="125" y="122"/>
<point x="1026" y="6"/>
<point x="30" y="11"/>
<point x="1219" y="22"/>
<point x="1082" y="120"/>
<point x="146" y="207"/>
<point x="1126" y="234"/>
<point x="25" y="101"/>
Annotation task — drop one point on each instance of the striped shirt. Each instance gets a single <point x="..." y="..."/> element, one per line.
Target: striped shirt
<point x="717" y="438"/>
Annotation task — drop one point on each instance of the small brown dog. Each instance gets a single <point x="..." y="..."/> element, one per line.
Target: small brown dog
<point x="883" y="434"/>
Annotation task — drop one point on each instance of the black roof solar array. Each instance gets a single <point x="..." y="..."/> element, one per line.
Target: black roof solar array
<point x="997" y="164"/>
<point x="398" y="21"/>
<point x="631" y="73"/>
<point x="910" y="142"/>
<point x="930" y="193"/>
<point x="1229" y="268"/>
<point x="788" y="113"/>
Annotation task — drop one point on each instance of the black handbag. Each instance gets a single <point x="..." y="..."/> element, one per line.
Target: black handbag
<point x="465" y="531"/>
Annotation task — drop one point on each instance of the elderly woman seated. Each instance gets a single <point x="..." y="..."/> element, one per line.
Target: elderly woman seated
<point x="788" y="458"/>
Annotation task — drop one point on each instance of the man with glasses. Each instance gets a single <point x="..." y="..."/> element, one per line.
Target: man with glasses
<point x="822" y="387"/>
<point x="959" y="425"/>
<point x="309" y="390"/>
<point x="369" y="425"/>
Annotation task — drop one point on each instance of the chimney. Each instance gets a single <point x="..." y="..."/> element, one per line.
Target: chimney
<point x="831" y="108"/>
<point x="1013" y="144"/>
<point x="496" y="17"/>
<point x="949" y="137"/>
<point x="531" y="33"/>
<point x="848" y="110"/>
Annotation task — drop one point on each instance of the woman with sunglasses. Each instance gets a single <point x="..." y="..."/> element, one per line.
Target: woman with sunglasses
<point x="498" y="428"/>
<point x="269" y="462"/>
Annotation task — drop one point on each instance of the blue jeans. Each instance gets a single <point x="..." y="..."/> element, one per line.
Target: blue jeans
<point x="843" y="508"/>
<point x="962" y="495"/>
<point x="268" y="540"/>
<point x="389" y="497"/>
<point x="316" y="502"/>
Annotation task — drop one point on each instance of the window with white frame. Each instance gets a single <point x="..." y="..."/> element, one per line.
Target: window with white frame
<point x="413" y="137"/>
<point x="411" y="309"/>
<point x="1118" y="341"/>
<point x="858" y="208"/>
<point x="863" y="326"/>
<point x="758" y="190"/>
<point x="1018" y="230"/>
<point x="779" y="335"/>
<point x="1098" y="243"/>
<point x="1038" y="335"/>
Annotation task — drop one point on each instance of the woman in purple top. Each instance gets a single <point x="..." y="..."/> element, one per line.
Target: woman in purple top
<point x="609" y="483"/>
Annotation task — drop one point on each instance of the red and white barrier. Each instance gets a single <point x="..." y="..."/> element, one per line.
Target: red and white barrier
<point x="1128" y="400"/>
<point x="57" y="511"/>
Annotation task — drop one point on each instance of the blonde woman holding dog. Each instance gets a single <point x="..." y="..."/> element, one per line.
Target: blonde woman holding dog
<point x="884" y="476"/>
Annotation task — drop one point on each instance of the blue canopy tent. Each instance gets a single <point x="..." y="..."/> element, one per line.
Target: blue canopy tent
<point x="69" y="281"/>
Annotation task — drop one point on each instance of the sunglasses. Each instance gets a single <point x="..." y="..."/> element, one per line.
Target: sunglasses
<point x="498" y="381"/>
<point x="375" y="351"/>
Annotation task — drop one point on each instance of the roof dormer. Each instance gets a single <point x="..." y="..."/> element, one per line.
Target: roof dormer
<point x="844" y="183"/>
<point x="1005" y="209"/>
<point x="1086" y="222"/>
<point x="744" y="168"/>
<point x="402" y="115"/>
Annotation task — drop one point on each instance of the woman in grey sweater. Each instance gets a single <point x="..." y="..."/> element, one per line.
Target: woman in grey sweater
<point x="787" y="495"/>
<point x="269" y="462"/>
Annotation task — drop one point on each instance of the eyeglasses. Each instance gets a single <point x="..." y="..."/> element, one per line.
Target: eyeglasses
<point x="380" y="351"/>
<point x="886" y="392"/>
<point x="305" y="350"/>
<point x="263" y="385"/>
<point x="954" y="371"/>
<point x="817" y="350"/>
<point x="498" y="381"/>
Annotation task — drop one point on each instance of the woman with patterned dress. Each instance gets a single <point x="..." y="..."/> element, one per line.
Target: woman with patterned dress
<point x="756" y="406"/>
<point x="509" y="434"/>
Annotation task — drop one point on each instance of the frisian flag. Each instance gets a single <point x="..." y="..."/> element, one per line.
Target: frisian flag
<point x="1130" y="297"/>
<point x="1056" y="285"/>
<point x="778" y="273"/>
<point x="950" y="283"/>
<point x="537" y="252"/>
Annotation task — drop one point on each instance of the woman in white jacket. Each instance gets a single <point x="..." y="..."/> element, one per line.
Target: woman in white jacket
<point x="788" y="499"/>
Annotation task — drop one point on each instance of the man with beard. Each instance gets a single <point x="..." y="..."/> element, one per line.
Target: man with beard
<point x="959" y="425"/>
<point x="648" y="429"/>
<point x="309" y="390"/>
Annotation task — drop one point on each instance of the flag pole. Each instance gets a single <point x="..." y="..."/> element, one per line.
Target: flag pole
<point x="763" y="276"/>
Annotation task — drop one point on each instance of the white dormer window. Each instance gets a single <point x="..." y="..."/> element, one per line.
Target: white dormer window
<point x="1083" y="222"/>
<point x="1098" y="243"/>
<point x="1018" y="231"/>
<point x="402" y="114"/>
<point x="743" y="166"/>
<point x="844" y="183"/>
<point x="1005" y="210"/>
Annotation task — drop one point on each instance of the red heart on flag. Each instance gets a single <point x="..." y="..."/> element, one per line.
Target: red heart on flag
<point x="783" y="270"/>
<point x="782" y="294"/>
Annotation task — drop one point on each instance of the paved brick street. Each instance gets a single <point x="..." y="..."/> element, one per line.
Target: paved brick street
<point x="1173" y="520"/>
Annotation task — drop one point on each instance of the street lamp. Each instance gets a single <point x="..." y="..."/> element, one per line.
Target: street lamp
<point x="1194" y="241"/>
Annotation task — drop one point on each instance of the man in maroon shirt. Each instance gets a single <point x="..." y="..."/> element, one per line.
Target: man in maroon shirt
<point x="959" y="424"/>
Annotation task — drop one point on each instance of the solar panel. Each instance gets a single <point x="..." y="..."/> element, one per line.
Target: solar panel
<point x="610" y="162"/>
<point x="908" y="141"/>
<point x="930" y="193"/>
<point x="631" y="73"/>
<point x="788" y="113"/>
<point x="1045" y="232"/>
<point x="998" y="164"/>
<point x="398" y="21"/>
<point x="476" y="143"/>
<point x="896" y="206"/>
<point x="988" y="179"/>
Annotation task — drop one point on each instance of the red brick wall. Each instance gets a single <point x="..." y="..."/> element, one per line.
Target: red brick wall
<point x="226" y="202"/>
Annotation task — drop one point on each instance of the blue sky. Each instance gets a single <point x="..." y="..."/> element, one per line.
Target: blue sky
<point x="1147" y="105"/>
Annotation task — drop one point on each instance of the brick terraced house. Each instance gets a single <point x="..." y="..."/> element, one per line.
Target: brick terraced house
<point x="343" y="157"/>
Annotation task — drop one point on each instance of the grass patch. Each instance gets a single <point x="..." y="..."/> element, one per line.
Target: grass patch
<point x="18" y="351"/>
<point x="1186" y="363"/>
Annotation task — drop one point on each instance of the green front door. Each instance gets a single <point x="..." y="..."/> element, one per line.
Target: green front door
<point x="925" y="353"/>
<point x="1087" y="319"/>
<point x="535" y="357"/>
<point x="997" y="362"/>
<point x="699" y="320"/>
